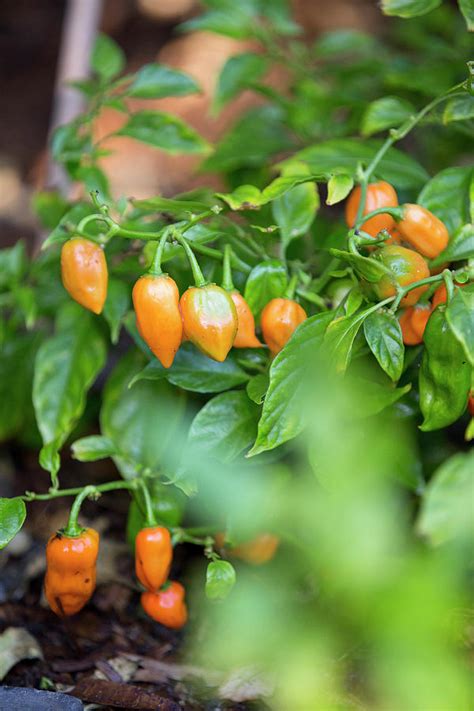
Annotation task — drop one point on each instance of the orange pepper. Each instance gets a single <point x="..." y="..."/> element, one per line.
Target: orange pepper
<point x="245" y="337"/>
<point x="70" y="571"/>
<point x="406" y="266"/>
<point x="153" y="556"/>
<point x="84" y="273"/>
<point x="209" y="319"/>
<point x="167" y="606"/>
<point x="279" y="320"/>
<point x="423" y="231"/>
<point x="380" y="194"/>
<point x="156" y="303"/>
<point x="413" y="323"/>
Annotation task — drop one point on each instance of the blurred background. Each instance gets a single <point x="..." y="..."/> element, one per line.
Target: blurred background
<point x="43" y="44"/>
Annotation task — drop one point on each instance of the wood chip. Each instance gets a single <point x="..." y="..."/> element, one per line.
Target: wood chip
<point x="122" y="696"/>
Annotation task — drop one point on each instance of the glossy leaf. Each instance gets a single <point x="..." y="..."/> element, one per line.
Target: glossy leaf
<point x="16" y="373"/>
<point x="107" y="59"/>
<point x="90" y="449"/>
<point x="387" y="112"/>
<point x="266" y="281"/>
<point x="345" y="154"/>
<point x="116" y="306"/>
<point x="283" y="416"/>
<point x="384" y="337"/>
<point x="192" y="370"/>
<point x="295" y="211"/>
<point x="163" y="131"/>
<point x="12" y="517"/>
<point x="409" y="8"/>
<point x="460" y="317"/>
<point x="72" y="217"/>
<point x="467" y="9"/>
<point x="459" y="108"/>
<point x="237" y="74"/>
<point x="446" y="509"/>
<point x="66" y="365"/>
<point x="370" y="269"/>
<point x="225" y="426"/>
<point x="340" y="337"/>
<point x="257" y="387"/>
<point x="155" y="81"/>
<point x="339" y="187"/>
<point x="220" y="579"/>
<point x="460" y="247"/>
<point x="447" y="196"/>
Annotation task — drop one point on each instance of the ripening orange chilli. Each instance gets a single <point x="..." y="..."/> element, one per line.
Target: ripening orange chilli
<point x="209" y="319"/>
<point x="423" y="231"/>
<point x="379" y="194"/>
<point x="70" y="571"/>
<point x="279" y="320"/>
<point x="84" y="273"/>
<point x="153" y="556"/>
<point x="167" y="606"/>
<point x="406" y="266"/>
<point x="441" y="295"/>
<point x="413" y="323"/>
<point x="245" y="337"/>
<point x="156" y="303"/>
<point x="259" y="550"/>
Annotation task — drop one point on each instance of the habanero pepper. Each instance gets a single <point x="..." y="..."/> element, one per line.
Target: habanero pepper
<point x="441" y="295"/>
<point x="413" y="323"/>
<point x="71" y="571"/>
<point x="380" y="194"/>
<point x="407" y="266"/>
<point x="167" y="606"/>
<point x="245" y="336"/>
<point x="445" y="374"/>
<point x="84" y="273"/>
<point x="156" y="304"/>
<point x="423" y="231"/>
<point x="153" y="556"/>
<point x="259" y="550"/>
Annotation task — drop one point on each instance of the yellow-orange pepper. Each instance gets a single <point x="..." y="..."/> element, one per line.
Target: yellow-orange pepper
<point x="156" y="303"/>
<point x="84" y="273"/>
<point x="153" y="556"/>
<point x="167" y="606"/>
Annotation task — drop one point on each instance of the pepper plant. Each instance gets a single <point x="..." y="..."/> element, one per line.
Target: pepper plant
<point x="255" y="310"/>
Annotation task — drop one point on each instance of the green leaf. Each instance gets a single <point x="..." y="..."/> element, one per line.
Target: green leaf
<point x="268" y="280"/>
<point x="460" y="247"/>
<point x="447" y="196"/>
<point x="345" y="154"/>
<point x="143" y="423"/>
<point x="368" y="268"/>
<point x="460" y="108"/>
<point x="220" y="579"/>
<point x="50" y="207"/>
<point x="460" y="317"/>
<point x="107" y="59"/>
<point x="339" y="187"/>
<point x="387" y="112"/>
<point x="245" y="197"/>
<point x="467" y="9"/>
<point x="238" y="73"/>
<point x="16" y="374"/>
<point x="180" y="207"/>
<point x="12" y="517"/>
<point x="163" y="131"/>
<point x="257" y="387"/>
<point x="192" y="370"/>
<point x="340" y="337"/>
<point x="252" y="140"/>
<point x="225" y="426"/>
<point x="295" y="211"/>
<point x="72" y="217"/>
<point x="227" y="18"/>
<point x="116" y="306"/>
<point x="155" y="81"/>
<point x="343" y="42"/>
<point x="384" y="338"/>
<point x="409" y="8"/>
<point x="283" y="416"/>
<point x="375" y="397"/>
<point x="94" y="179"/>
<point x="90" y="449"/>
<point x="66" y="365"/>
<point x="446" y="509"/>
<point x="248" y="197"/>
<point x="13" y="264"/>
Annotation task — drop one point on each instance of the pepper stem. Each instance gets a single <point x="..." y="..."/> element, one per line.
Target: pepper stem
<point x="227" y="282"/>
<point x="290" y="292"/>
<point x="193" y="262"/>
<point x="73" y="530"/>
<point x="155" y="268"/>
<point x="448" y="280"/>
<point x="150" y="519"/>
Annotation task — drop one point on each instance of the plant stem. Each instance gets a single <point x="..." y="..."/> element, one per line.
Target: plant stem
<point x="150" y="519"/>
<point x="290" y="291"/>
<point x="227" y="282"/>
<point x="414" y="285"/>
<point x="312" y="298"/>
<point x="155" y="268"/>
<point x="73" y="529"/>
<point x="199" y="279"/>
<point x="396" y="212"/>
<point x="58" y="493"/>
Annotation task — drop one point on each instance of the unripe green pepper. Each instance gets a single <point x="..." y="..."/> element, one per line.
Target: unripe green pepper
<point x="445" y="374"/>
